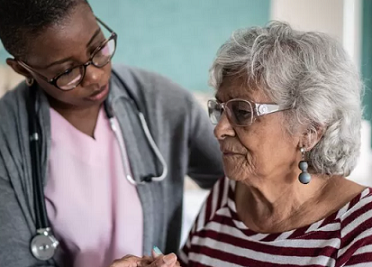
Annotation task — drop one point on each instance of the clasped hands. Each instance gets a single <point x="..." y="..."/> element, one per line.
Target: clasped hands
<point x="156" y="260"/>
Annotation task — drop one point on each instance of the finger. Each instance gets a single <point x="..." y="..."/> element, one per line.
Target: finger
<point x="156" y="252"/>
<point x="164" y="261"/>
<point x="145" y="261"/>
<point x="169" y="260"/>
<point x="127" y="261"/>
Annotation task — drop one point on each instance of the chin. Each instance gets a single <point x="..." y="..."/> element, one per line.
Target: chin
<point x="238" y="170"/>
<point x="234" y="173"/>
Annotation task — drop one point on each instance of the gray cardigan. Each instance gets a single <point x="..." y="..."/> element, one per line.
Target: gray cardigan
<point x="179" y="126"/>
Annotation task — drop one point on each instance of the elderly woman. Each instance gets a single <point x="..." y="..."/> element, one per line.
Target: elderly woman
<point x="288" y="114"/>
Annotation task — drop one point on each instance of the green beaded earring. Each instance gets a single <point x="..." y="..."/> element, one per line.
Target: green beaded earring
<point x="304" y="176"/>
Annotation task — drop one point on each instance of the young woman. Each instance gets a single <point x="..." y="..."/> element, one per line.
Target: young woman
<point x="66" y="176"/>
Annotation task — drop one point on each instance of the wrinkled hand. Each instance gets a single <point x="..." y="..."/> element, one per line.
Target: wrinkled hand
<point x="127" y="261"/>
<point x="169" y="260"/>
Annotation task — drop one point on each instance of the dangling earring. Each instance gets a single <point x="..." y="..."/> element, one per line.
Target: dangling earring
<point x="30" y="81"/>
<point x="304" y="176"/>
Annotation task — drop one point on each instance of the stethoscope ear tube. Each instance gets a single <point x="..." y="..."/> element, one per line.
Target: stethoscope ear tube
<point x="152" y="144"/>
<point x="155" y="149"/>
<point x="110" y="115"/>
<point x="43" y="245"/>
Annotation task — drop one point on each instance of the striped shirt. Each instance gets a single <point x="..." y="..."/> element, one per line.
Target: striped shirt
<point x="220" y="238"/>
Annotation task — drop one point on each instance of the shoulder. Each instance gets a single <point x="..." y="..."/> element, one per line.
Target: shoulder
<point x="357" y="214"/>
<point x="11" y="105"/>
<point x="356" y="224"/>
<point x="13" y="126"/>
<point x="11" y="98"/>
<point x="166" y="102"/>
<point x="153" y="84"/>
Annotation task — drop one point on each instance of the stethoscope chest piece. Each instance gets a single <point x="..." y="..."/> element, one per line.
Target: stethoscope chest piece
<point x="44" y="245"/>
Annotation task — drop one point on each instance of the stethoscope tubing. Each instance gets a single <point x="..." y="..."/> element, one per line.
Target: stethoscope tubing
<point x="44" y="244"/>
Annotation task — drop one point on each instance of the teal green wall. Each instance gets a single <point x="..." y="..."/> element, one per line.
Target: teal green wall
<point x="177" y="38"/>
<point x="367" y="57"/>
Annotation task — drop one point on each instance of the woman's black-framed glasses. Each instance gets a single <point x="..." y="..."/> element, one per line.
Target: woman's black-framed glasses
<point x="71" y="78"/>
<point x="240" y="112"/>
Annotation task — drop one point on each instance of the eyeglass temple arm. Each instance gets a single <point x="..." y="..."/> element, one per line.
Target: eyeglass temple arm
<point x="30" y="69"/>
<point x="104" y="25"/>
<point x="263" y="109"/>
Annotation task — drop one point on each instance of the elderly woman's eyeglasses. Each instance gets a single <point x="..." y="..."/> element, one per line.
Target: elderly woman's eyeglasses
<point x="240" y="112"/>
<point x="71" y="78"/>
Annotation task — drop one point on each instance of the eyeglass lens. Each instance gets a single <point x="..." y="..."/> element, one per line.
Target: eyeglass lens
<point x="74" y="76"/>
<point x="238" y="112"/>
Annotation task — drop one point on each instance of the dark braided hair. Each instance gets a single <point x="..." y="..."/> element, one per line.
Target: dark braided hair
<point x="21" y="20"/>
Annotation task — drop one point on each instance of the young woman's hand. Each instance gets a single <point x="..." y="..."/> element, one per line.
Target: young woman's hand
<point x="169" y="260"/>
<point x="127" y="261"/>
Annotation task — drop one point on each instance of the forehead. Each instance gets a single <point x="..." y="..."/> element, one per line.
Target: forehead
<point x="65" y="39"/>
<point x="233" y="87"/>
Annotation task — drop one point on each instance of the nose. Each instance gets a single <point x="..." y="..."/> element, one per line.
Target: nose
<point x="93" y="75"/>
<point x="223" y="128"/>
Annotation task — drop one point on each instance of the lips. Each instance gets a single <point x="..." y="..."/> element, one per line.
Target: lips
<point x="229" y="151"/>
<point x="99" y="91"/>
<point x="100" y="94"/>
<point x="231" y="154"/>
<point x="226" y="152"/>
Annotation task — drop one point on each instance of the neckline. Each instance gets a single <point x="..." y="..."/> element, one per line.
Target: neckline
<point x="72" y="128"/>
<point x="291" y="234"/>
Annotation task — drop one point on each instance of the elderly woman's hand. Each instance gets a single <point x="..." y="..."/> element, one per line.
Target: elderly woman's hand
<point x="169" y="260"/>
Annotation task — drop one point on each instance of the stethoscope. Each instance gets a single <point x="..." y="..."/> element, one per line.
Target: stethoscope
<point x="44" y="244"/>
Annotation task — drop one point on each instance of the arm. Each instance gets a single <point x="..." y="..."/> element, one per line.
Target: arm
<point x="15" y="234"/>
<point x="205" y="159"/>
<point x="362" y="257"/>
<point x="356" y="236"/>
<point x="359" y="253"/>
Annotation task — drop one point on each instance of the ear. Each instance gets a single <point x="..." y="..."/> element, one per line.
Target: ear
<point x="18" y="68"/>
<point x="311" y="137"/>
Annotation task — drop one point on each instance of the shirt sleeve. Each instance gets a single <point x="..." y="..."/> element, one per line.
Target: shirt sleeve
<point x="361" y="257"/>
<point x="205" y="159"/>
<point x="356" y="237"/>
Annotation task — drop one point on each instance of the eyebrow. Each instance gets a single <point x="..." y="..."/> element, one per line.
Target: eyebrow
<point x="94" y="36"/>
<point x="217" y="96"/>
<point x="69" y="58"/>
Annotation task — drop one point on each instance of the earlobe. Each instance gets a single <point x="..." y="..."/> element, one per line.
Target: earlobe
<point x="18" y="68"/>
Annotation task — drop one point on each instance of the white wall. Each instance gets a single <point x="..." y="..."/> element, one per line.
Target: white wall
<point x="338" y="18"/>
<point x="319" y="15"/>
<point x="8" y="79"/>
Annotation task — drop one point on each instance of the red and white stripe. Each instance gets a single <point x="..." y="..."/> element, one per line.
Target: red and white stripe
<point x="219" y="238"/>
